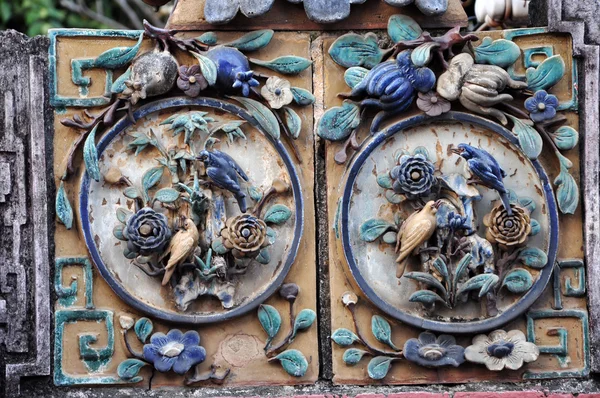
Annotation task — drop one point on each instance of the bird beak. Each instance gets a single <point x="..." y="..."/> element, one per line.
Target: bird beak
<point x="437" y="204"/>
<point x="456" y="151"/>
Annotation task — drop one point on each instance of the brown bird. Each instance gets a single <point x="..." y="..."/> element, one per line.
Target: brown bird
<point x="181" y="247"/>
<point x="415" y="231"/>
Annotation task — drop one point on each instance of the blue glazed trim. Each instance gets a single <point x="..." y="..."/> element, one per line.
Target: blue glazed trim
<point x="560" y="350"/>
<point x="59" y="101"/>
<point x="68" y="295"/>
<point x="459" y="328"/>
<point x="170" y="104"/>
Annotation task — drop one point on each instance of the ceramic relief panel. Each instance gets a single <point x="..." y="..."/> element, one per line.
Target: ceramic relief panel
<point x="184" y="210"/>
<point x="456" y="240"/>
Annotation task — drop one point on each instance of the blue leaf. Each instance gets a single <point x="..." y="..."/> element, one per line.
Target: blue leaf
<point x="461" y="268"/>
<point x="422" y="54"/>
<point x="218" y="247"/>
<point x="427" y="279"/>
<point x="293" y="122"/>
<point x="123" y="215"/>
<point x="565" y="138"/>
<point x="303" y="320"/>
<point x="64" y="211"/>
<point x="150" y="179"/>
<point x="501" y="52"/>
<point x="293" y="362"/>
<point x="344" y="337"/>
<point x="528" y="204"/>
<point x="263" y="115"/>
<point x="402" y="27"/>
<point x="374" y="228"/>
<point x="339" y="122"/>
<point x="533" y="257"/>
<point x="547" y="74"/>
<point x="130" y="368"/>
<point x="252" y="41"/>
<point x="384" y="180"/>
<point x="567" y="193"/>
<point x="90" y="155"/>
<point x="518" y="281"/>
<point x="393" y="197"/>
<point x="302" y="97"/>
<point x="535" y="227"/>
<point x="530" y="140"/>
<point x="255" y="193"/>
<point x="353" y="49"/>
<point x="208" y="68"/>
<point x="143" y="329"/>
<point x="379" y="367"/>
<point x="352" y="356"/>
<point x="425" y="297"/>
<point x="382" y="331"/>
<point x="353" y="76"/>
<point x="264" y="256"/>
<point x="277" y="214"/>
<point x="440" y="265"/>
<point x="119" y="85"/>
<point x="118" y="57"/>
<point x="208" y="38"/>
<point x="167" y="195"/>
<point x="482" y="282"/>
<point x="287" y="65"/>
<point x="270" y="320"/>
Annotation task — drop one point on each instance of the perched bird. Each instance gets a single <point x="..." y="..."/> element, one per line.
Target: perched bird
<point x="415" y="231"/>
<point x="483" y="165"/>
<point x="224" y="172"/>
<point x="181" y="247"/>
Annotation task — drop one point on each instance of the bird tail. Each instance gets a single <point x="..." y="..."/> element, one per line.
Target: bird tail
<point x="506" y="202"/>
<point x="168" y="274"/>
<point x="402" y="263"/>
<point x="241" y="199"/>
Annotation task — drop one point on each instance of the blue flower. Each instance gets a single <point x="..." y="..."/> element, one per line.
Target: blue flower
<point x="413" y="177"/>
<point x="174" y="350"/>
<point x="245" y="80"/>
<point x="434" y="352"/>
<point x="542" y="106"/>
<point x="457" y="222"/>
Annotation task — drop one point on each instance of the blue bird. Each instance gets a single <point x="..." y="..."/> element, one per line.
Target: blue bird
<point x="483" y="165"/>
<point x="224" y="172"/>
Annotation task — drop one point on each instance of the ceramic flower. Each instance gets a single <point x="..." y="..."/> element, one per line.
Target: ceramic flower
<point x="457" y="222"/>
<point x="508" y="231"/>
<point x="501" y="349"/>
<point x="542" y="106"/>
<point x="277" y="92"/>
<point x="147" y="232"/>
<point x="434" y="352"/>
<point x="175" y="350"/>
<point x="233" y="70"/>
<point x="432" y="104"/>
<point x="191" y="81"/>
<point x="413" y="176"/>
<point x="289" y="291"/>
<point x="245" y="81"/>
<point x="245" y="235"/>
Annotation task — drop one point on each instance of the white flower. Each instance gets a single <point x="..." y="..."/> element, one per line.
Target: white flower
<point x="277" y="92"/>
<point x="501" y="349"/>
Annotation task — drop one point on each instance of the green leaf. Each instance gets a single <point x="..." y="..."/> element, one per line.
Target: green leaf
<point x="118" y="232"/>
<point x="64" y="211"/>
<point x="547" y="74"/>
<point x="422" y="55"/>
<point x="518" y="281"/>
<point x="123" y="215"/>
<point x="535" y="227"/>
<point x="394" y="197"/>
<point x="118" y="85"/>
<point x="353" y="49"/>
<point x="303" y="321"/>
<point x="501" y="52"/>
<point x="461" y="268"/>
<point x="440" y="266"/>
<point x="270" y="320"/>
<point x="567" y="193"/>
<point x="352" y="356"/>
<point x="390" y="237"/>
<point x="565" y="138"/>
<point x="426" y="297"/>
<point x="118" y="57"/>
<point x="272" y="235"/>
<point x="278" y="214"/>
<point x="421" y="150"/>
<point x="379" y="367"/>
<point x="293" y="362"/>
<point x="263" y="115"/>
<point x="530" y="140"/>
<point x="255" y="193"/>
<point x="131" y="193"/>
<point x="527" y="203"/>
<point x="151" y="178"/>
<point x="90" y="155"/>
<point x="264" y="256"/>
<point x="382" y="331"/>
<point x="353" y="76"/>
<point x="287" y="65"/>
<point x="218" y="247"/>
<point x="384" y="180"/>
<point x="344" y="337"/>
<point x="482" y="282"/>
<point x="130" y="368"/>
<point x="143" y="329"/>
<point x="208" y="68"/>
<point x="302" y="97"/>
<point x="533" y="257"/>
<point x="293" y="122"/>
<point x="339" y="122"/>
<point x="252" y="41"/>
<point x="166" y="195"/>
<point x="402" y="27"/>
<point x="374" y="228"/>
<point x="427" y="279"/>
<point x="208" y="38"/>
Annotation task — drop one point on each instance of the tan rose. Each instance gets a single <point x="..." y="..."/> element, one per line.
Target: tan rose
<point x="245" y="235"/>
<point x="508" y="231"/>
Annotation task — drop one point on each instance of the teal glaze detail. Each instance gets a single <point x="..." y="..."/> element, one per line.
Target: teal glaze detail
<point x="287" y="65"/>
<point x="501" y="52"/>
<point x="336" y="220"/>
<point x="57" y="100"/>
<point x="529" y="53"/>
<point x="68" y="295"/>
<point x="353" y="49"/>
<point x="560" y="351"/>
<point x="95" y="359"/>
<point x="570" y="291"/>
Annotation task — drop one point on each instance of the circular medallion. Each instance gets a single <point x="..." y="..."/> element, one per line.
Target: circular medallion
<point x="198" y="215"/>
<point x="446" y="225"/>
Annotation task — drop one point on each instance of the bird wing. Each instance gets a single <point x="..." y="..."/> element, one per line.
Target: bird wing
<point x="414" y="235"/>
<point x="486" y="175"/>
<point x="183" y="245"/>
<point x="232" y="163"/>
<point x="223" y="179"/>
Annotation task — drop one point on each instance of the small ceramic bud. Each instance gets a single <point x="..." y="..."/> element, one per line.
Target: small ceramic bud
<point x="349" y="298"/>
<point x="289" y="291"/>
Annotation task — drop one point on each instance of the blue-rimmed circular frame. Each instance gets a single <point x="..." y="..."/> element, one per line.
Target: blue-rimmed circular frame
<point x="117" y="287"/>
<point x="447" y="327"/>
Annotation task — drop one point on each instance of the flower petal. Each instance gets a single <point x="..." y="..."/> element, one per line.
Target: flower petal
<point x="476" y="353"/>
<point x="159" y="339"/>
<point x="513" y="361"/>
<point x="174" y="335"/>
<point x="188" y="358"/>
<point x="164" y="364"/>
<point x="496" y="364"/>
<point x="150" y="353"/>
<point x="190" y="338"/>
<point x="427" y="338"/>
<point x="446" y="340"/>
